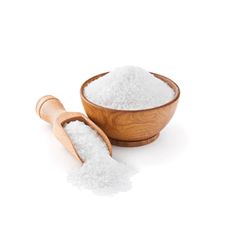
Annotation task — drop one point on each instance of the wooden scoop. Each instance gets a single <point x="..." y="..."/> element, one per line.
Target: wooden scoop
<point x="50" y="109"/>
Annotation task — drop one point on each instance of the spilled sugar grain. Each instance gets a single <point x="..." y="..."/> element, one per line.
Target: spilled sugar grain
<point x="99" y="173"/>
<point x="129" y="88"/>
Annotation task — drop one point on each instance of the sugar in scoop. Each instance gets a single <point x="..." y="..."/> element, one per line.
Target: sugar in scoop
<point x="50" y="109"/>
<point x="99" y="172"/>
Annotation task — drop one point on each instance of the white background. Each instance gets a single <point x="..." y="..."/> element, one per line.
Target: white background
<point x="186" y="183"/>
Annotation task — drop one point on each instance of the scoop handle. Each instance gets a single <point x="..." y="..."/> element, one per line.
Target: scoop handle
<point x="49" y="108"/>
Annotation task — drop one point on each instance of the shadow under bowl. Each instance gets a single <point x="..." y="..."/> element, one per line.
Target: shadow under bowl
<point x="131" y="128"/>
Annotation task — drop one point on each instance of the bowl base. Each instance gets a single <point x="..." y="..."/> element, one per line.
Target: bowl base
<point x="133" y="143"/>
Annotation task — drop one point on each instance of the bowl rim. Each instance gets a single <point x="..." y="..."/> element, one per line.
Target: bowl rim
<point x="170" y="82"/>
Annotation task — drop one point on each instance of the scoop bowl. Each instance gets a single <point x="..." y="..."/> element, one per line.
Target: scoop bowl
<point x="51" y="110"/>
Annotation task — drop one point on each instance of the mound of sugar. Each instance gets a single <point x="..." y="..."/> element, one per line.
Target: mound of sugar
<point x="99" y="173"/>
<point x="129" y="88"/>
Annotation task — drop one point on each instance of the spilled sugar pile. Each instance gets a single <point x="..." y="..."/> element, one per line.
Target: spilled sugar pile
<point x="99" y="173"/>
<point x="129" y="88"/>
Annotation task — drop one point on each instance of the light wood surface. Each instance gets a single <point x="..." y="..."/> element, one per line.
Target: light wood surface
<point x="131" y="128"/>
<point x="50" y="109"/>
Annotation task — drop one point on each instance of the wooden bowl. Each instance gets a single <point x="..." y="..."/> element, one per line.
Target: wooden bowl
<point x="131" y="128"/>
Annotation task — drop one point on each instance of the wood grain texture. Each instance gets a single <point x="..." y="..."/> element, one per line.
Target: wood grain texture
<point x="50" y="109"/>
<point x="131" y="128"/>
